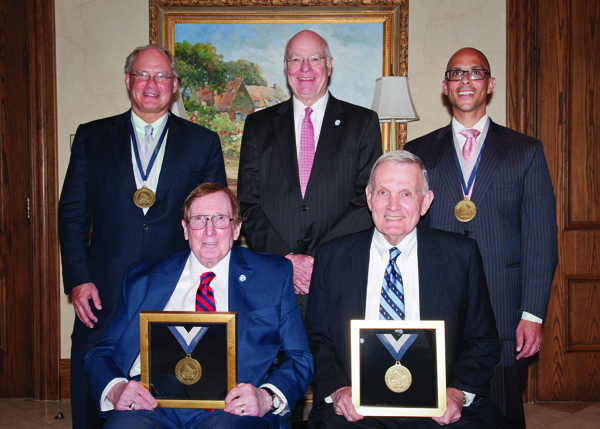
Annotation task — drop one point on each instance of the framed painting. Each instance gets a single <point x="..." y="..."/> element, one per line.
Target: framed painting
<point x="188" y="359"/>
<point x="398" y="368"/>
<point x="230" y="55"/>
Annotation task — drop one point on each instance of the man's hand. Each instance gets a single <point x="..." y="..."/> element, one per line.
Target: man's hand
<point x="80" y="296"/>
<point x="247" y="400"/>
<point x="529" y="338"/>
<point x="343" y="406"/>
<point x="131" y="396"/>
<point x="303" y="266"/>
<point x="454" y="404"/>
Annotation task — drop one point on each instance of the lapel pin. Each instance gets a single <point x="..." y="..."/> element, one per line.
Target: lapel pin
<point x="337" y="122"/>
<point x="242" y="278"/>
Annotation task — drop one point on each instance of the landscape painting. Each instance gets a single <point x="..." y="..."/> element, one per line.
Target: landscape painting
<point x="228" y="71"/>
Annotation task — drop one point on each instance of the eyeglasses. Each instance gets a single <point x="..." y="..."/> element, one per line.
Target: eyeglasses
<point x="297" y="62"/>
<point x="158" y="78"/>
<point x="220" y="221"/>
<point x="473" y="74"/>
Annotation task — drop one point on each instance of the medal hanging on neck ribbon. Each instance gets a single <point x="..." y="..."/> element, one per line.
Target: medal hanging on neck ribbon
<point x="465" y="210"/>
<point x="188" y="369"/>
<point x="397" y="378"/>
<point x="144" y="197"/>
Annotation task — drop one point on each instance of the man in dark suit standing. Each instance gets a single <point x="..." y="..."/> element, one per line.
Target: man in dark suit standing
<point x="493" y="184"/>
<point x="128" y="176"/>
<point x="212" y="275"/>
<point x="397" y="271"/>
<point x="304" y="164"/>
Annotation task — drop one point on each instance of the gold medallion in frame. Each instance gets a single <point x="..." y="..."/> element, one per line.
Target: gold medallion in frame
<point x="428" y="375"/>
<point x="218" y="375"/>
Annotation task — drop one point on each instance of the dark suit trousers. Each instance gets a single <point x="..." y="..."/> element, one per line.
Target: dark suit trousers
<point x="168" y="418"/>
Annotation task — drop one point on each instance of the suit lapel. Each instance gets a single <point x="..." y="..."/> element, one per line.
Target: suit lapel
<point x="239" y="273"/>
<point x="328" y="139"/>
<point x="445" y="156"/>
<point x="493" y="154"/>
<point x="431" y="273"/>
<point x="176" y="141"/>
<point x="354" y="273"/>
<point x="120" y="141"/>
<point x="286" y="143"/>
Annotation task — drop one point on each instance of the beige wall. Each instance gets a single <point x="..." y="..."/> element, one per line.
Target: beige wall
<point x="93" y="37"/>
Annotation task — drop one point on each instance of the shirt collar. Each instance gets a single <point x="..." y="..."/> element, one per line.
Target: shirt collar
<point x="221" y="270"/>
<point x="139" y="123"/>
<point x="318" y="107"/>
<point x="458" y="127"/>
<point x="406" y="246"/>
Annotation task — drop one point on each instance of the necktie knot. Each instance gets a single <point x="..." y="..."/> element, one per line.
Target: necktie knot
<point x="307" y="113"/>
<point x="394" y="253"/>
<point x="471" y="133"/>
<point x="147" y="139"/>
<point x="148" y="129"/>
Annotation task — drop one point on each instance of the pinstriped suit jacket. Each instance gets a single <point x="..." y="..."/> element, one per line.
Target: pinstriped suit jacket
<point x="276" y="218"/>
<point x="452" y="287"/>
<point x="515" y="225"/>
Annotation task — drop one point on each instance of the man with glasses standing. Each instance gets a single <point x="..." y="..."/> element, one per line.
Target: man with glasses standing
<point x="492" y="184"/>
<point x="304" y="164"/>
<point x="127" y="177"/>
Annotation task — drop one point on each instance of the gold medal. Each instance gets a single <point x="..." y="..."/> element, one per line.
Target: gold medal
<point x="398" y="378"/>
<point x="188" y="370"/>
<point x="144" y="197"/>
<point x="465" y="210"/>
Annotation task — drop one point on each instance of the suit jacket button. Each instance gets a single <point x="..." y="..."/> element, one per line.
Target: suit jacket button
<point x="304" y="208"/>
<point x="300" y="241"/>
<point x="146" y="227"/>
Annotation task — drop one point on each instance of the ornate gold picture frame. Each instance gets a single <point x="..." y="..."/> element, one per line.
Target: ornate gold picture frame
<point x="398" y="368"/>
<point x="393" y="15"/>
<point x="188" y="359"/>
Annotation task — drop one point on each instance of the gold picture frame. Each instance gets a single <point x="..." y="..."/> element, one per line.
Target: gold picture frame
<point x="393" y="14"/>
<point x="165" y="360"/>
<point x="419" y="389"/>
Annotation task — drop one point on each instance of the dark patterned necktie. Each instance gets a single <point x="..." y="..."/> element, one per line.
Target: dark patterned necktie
<point x="205" y="297"/>
<point x="391" y="304"/>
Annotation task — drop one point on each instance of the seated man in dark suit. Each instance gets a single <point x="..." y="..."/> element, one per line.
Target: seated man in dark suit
<point x="226" y="278"/>
<point x="441" y="278"/>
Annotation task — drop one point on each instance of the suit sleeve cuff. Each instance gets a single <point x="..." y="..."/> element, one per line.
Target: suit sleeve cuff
<point x="531" y="317"/>
<point x="105" y="404"/>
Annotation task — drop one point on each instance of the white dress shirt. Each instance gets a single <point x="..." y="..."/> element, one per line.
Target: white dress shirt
<point x="316" y="118"/>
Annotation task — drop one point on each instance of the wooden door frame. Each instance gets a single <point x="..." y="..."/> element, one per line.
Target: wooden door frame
<point x="41" y="84"/>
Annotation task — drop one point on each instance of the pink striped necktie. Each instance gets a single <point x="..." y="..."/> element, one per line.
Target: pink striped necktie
<point x="307" y="149"/>
<point x="205" y="297"/>
<point x="470" y="144"/>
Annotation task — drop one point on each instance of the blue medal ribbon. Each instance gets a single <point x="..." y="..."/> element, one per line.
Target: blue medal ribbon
<point x="143" y="174"/>
<point x="188" y="347"/>
<point x="405" y="341"/>
<point x="467" y="186"/>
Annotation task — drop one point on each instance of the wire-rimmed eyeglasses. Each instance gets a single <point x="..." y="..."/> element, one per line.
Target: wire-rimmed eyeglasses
<point x="220" y="221"/>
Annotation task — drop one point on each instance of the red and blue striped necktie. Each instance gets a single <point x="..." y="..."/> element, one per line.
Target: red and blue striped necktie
<point x="205" y="297"/>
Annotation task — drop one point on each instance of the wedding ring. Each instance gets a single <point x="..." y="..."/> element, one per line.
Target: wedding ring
<point x="132" y="406"/>
<point x="242" y="409"/>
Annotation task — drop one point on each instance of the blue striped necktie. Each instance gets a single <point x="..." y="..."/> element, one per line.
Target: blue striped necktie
<point x="391" y="304"/>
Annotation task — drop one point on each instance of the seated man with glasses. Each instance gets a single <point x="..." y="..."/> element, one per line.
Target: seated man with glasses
<point x="492" y="184"/>
<point x="304" y="164"/>
<point x="214" y="275"/>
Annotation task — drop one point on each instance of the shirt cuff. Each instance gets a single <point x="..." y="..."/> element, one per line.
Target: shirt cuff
<point x="105" y="404"/>
<point x="468" y="398"/>
<point x="283" y="406"/>
<point x="531" y="317"/>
